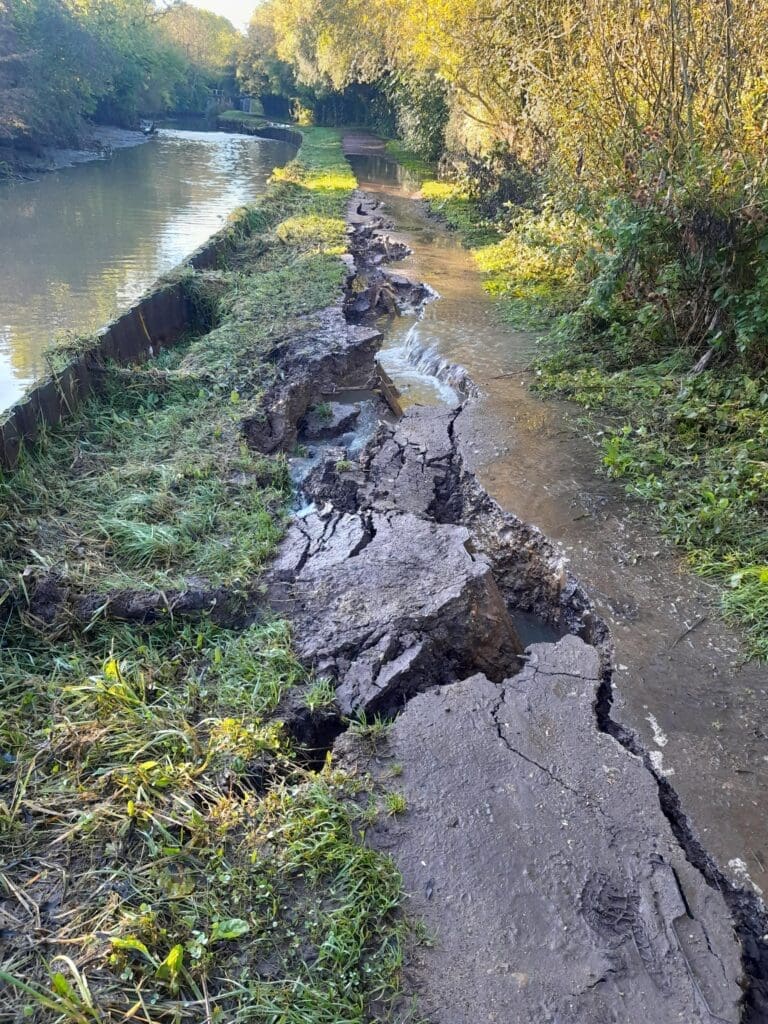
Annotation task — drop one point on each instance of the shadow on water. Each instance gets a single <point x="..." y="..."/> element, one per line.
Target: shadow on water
<point x="680" y="684"/>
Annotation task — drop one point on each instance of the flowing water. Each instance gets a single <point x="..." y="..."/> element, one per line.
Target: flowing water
<point x="82" y="244"/>
<point x="679" y="680"/>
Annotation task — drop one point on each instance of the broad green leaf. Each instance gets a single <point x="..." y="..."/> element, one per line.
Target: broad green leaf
<point x="230" y="928"/>
<point x="170" y="968"/>
<point x="134" y="945"/>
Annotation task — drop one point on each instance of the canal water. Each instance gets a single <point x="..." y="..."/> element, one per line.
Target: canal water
<point x="80" y="245"/>
<point x="680" y="682"/>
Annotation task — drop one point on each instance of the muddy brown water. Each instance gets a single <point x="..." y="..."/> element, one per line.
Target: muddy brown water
<point x="81" y="245"/>
<point x="680" y="681"/>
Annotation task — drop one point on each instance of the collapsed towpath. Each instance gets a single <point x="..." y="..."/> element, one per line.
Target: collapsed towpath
<point x="615" y="882"/>
<point x="681" y="684"/>
<point x="169" y="835"/>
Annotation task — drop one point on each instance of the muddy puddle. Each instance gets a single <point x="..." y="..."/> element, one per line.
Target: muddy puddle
<point x="680" y="682"/>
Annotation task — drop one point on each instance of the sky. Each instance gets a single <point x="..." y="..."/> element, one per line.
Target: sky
<point x="238" y="11"/>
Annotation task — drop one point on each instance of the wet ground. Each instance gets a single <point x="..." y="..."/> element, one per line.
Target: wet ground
<point x="680" y="682"/>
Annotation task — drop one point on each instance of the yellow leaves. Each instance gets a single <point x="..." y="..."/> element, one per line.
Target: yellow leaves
<point x="112" y="670"/>
<point x="609" y="92"/>
<point x="439" y="191"/>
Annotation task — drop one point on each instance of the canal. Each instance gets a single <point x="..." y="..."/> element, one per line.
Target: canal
<point x="80" y="245"/>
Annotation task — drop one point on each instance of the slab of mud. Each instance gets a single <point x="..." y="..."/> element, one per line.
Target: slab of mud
<point x="536" y="853"/>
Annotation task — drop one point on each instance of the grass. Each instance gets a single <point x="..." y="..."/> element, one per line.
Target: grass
<point x="695" y="447"/>
<point x="449" y="199"/>
<point x="395" y="803"/>
<point x="153" y="483"/>
<point x="373" y="731"/>
<point x="146" y="872"/>
<point x="236" y="117"/>
<point x="164" y="856"/>
<point x="321" y="694"/>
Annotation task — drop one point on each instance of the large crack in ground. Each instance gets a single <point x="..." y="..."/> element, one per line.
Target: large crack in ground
<point x="405" y="511"/>
<point x="748" y="911"/>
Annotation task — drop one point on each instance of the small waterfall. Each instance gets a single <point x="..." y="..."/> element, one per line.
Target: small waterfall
<point x="427" y="360"/>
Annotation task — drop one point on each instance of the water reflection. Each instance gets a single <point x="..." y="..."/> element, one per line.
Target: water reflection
<point x="80" y="245"/>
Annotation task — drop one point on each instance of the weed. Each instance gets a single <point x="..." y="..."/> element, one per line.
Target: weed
<point x="321" y="694"/>
<point x="323" y="411"/>
<point x="372" y="730"/>
<point x="453" y="203"/>
<point x="419" y="168"/>
<point x="423" y="935"/>
<point x="395" y="803"/>
<point x="369" y="813"/>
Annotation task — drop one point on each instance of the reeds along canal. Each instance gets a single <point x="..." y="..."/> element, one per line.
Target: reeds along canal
<point x="680" y="683"/>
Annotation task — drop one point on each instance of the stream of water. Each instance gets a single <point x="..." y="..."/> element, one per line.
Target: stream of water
<point x="82" y="244"/>
<point x="679" y="681"/>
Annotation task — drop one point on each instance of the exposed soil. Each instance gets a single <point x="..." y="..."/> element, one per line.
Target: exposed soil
<point x="555" y="865"/>
<point x="101" y="141"/>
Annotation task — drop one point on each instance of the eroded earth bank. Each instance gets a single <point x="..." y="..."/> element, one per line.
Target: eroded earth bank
<point x="553" y="867"/>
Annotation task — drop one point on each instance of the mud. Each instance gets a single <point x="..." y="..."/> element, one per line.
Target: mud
<point x="681" y="683"/>
<point x="328" y="351"/>
<point x="99" y="143"/>
<point x="555" y="863"/>
<point x="373" y="288"/>
<point x="51" y="604"/>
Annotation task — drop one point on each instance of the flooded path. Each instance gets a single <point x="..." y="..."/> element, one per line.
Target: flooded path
<point x="679" y="683"/>
<point x="82" y="244"/>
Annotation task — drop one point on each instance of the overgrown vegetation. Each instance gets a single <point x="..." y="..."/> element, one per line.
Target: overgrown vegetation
<point x="165" y="853"/>
<point x="62" y="61"/>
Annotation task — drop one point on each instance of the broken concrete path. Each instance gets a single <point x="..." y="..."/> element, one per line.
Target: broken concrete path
<point x="535" y="849"/>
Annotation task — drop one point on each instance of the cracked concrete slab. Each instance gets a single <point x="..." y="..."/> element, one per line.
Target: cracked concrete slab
<point x="535" y="849"/>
